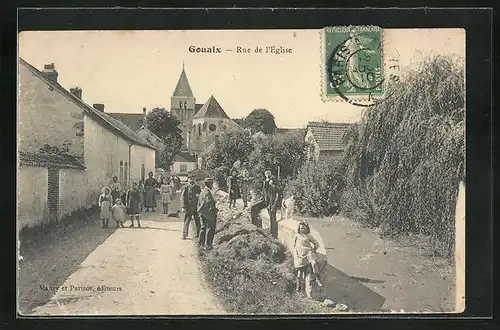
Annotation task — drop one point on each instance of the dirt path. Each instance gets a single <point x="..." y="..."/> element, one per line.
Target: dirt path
<point x="371" y="274"/>
<point x="146" y="271"/>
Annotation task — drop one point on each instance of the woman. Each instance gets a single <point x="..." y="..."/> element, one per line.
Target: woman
<point x="150" y="192"/>
<point x="233" y="188"/>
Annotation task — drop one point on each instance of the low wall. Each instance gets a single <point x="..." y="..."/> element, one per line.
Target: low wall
<point x="287" y="230"/>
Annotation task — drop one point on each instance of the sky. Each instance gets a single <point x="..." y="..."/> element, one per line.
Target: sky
<point x="130" y="70"/>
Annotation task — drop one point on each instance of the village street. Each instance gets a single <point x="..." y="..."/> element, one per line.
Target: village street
<point x="137" y="271"/>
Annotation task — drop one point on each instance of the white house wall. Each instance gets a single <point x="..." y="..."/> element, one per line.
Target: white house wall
<point x="71" y="195"/>
<point x="104" y="151"/>
<point x="141" y="155"/>
<point x="32" y="196"/>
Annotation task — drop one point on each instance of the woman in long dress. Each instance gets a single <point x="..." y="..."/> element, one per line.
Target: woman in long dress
<point x="150" y="186"/>
<point x="175" y="201"/>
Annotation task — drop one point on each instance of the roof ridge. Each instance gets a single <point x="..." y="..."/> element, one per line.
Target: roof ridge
<point x="86" y="107"/>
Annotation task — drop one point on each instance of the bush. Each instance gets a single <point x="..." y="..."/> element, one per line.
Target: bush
<point x="249" y="270"/>
<point x="406" y="158"/>
<point x="317" y="187"/>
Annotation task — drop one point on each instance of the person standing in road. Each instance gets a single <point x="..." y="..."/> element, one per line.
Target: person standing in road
<point x="134" y="204"/>
<point x="189" y="202"/>
<point x="208" y="215"/>
<point x="105" y="203"/>
<point x="150" y="186"/>
<point x="116" y="188"/>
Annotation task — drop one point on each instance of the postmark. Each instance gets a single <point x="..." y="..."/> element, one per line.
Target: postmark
<point x="354" y="65"/>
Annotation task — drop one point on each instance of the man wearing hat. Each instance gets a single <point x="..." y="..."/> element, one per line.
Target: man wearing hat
<point x="189" y="202"/>
<point x="208" y="215"/>
<point x="272" y="198"/>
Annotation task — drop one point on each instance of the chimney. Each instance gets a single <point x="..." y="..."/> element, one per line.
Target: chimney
<point x="77" y="91"/>
<point x="144" y="119"/>
<point x="99" y="107"/>
<point x="50" y="73"/>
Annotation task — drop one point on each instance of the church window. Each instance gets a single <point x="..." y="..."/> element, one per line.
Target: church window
<point x="212" y="127"/>
<point x="185" y="105"/>
<point x="199" y="129"/>
<point x="180" y="104"/>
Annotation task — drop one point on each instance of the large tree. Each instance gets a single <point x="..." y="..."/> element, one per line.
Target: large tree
<point x="260" y="120"/>
<point x="166" y="126"/>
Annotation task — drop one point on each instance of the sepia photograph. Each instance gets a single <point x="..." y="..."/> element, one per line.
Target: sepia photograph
<point x="241" y="172"/>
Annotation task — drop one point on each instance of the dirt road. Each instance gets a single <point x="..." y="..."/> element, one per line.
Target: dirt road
<point x="137" y="271"/>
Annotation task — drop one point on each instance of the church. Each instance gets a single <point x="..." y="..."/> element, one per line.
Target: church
<point x="201" y="124"/>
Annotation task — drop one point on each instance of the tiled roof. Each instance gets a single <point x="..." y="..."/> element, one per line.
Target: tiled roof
<point x="108" y="121"/>
<point x="132" y="120"/>
<point x="183" y="88"/>
<point x="329" y="136"/>
<point x="184" y="157"/>
<point x="211" y="108"/>
<point x="49" y="160"/>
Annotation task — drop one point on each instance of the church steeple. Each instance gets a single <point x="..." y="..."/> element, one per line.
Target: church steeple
<point x="183" y="88"/>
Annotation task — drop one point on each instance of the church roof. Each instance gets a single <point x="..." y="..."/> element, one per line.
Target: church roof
<point x="183" y="88"/>
<point x="211" y="108"/>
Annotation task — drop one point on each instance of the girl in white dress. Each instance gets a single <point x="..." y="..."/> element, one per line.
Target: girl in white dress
<point x="105" y="203"/>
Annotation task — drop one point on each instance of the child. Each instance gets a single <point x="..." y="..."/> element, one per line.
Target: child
<point x="165" y="192"/>
<point x="119" y="213"/>
<point x="134" y="204"/>
<point x="288" y="207"/>
<point x="105" y="202"/>
<point x="305" y="246"/>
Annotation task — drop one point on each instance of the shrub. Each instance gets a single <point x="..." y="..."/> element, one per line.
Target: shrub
<point x="405" y="159"/>
<point x="317" y="187"/>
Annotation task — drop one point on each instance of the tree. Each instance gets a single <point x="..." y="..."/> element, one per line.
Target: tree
<point x="164" y="125"/>
<point x="239" y="121"/>
<point x="287" y="151"/>
<point x="260" y="120"/>
<point x="230" y="147"/>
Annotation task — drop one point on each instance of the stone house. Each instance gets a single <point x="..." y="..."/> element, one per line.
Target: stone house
<point x="325" y="139"/>
<point x="67" y="149"/>
<point x="183" y="163"/>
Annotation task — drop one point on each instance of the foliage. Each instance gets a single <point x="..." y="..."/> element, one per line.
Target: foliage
<point x="230" y="147"/>
<point x="287" y="151"/>
<point x="54" y="150"/>
<point x="260" y="120"/>
<point x="239" y="121"/>
<point x="406" y="158"/>
<point x="317" y="187"/>
<point x="166" y="126"/>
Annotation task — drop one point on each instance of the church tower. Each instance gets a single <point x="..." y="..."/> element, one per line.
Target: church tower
<point x="183" y="105"/>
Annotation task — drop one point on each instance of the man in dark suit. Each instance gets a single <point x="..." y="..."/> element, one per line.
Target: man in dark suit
<point x="272" y="197"/>
<point x="208" y="215"/>
<point x="189" y="202"/>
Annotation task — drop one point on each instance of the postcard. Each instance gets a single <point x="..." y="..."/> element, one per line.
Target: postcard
<point x="241" y="172"/>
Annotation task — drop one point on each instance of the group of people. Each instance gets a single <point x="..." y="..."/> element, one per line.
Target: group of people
<point x="198" y="204"/>
<point x="117" y="204"/>
<point x="269" y="195"/>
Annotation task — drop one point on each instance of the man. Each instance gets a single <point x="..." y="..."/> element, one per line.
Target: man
<point x="208" y="215"/>
<point x="273" y="201"/>
<point x="189" y="202"/>
<point x="265" y="186"/>
<point x="245" y="179"/>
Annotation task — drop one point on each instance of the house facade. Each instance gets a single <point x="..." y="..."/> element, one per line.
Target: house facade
<point x="68" y="150"/>
<point x="325" y="139"/>
<point x="183" y="163"/>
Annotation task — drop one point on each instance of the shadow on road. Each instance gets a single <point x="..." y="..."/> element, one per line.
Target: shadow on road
<point x="349" y="290"/>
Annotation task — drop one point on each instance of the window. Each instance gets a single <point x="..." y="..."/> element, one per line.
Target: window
<point x="180" y="104"/>
<point x="184" y="168"/>
<point x="199" y="129"/>
<point x="121" y="175"/>
<point x="125" y="176"/>
<point x="212" y="127"/>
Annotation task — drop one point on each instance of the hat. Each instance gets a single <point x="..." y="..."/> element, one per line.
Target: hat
<point x="104" y="188"/>
<point x="208" y="180"/>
